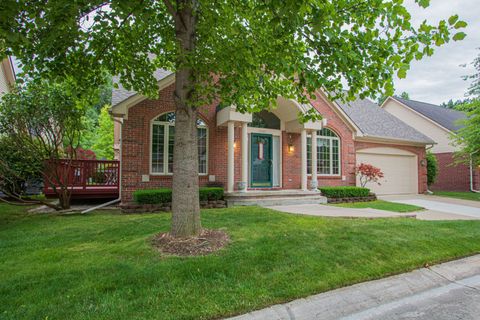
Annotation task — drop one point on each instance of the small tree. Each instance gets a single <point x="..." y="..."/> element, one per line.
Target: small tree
<point x="42" y="121"/>
<point x="432" y="168"/>
<point x="103" y="138"/>
<point x="468" y="137"/>
<point x="368" y="173"/>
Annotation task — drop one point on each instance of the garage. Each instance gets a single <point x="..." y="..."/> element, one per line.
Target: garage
<point x="400" y="169"/>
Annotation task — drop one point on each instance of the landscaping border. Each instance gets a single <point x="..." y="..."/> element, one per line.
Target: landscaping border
<point x="167" y="206"/>
<point x="371" y="197"/>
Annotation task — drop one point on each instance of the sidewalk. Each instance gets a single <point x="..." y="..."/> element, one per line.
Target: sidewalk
<point x="446" y="291"/>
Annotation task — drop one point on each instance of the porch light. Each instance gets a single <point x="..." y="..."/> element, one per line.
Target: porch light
<point x="291" y="148"/>
<point x="234" y="145"/>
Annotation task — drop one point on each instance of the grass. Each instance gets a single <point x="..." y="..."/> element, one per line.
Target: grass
<point x="381" y="205"/>
<point x="459" y="195"/>
<point x="101" y="265"/>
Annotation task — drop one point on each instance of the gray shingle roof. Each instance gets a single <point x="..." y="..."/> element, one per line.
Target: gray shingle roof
<point x="447" y="118"/>
<point x="122" y="94"/>
<point x="374" y="121"/>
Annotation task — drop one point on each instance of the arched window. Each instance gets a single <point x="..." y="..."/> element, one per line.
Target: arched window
<point x="265" y="119"/>
<point x="328" y="153"/>
<point x="163" y="134"/>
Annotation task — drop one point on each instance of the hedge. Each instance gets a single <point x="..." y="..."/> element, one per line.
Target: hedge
<point x="164" y="195"/>
<point x="344" y="192"/>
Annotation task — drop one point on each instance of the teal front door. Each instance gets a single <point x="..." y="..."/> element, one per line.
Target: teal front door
<point x="261" y="160"/>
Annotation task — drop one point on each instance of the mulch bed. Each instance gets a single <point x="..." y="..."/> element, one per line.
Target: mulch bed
<point x="207" y="242"/>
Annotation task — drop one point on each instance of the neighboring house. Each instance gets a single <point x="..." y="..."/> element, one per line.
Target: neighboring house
<point x="7" y="76"/>
<point x="439" y="124"/>
<point x="268" y="150"/>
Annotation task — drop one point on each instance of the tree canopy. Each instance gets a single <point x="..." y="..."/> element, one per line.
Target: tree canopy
<point x="468" y="137"/>
<point x="257" y="49"/>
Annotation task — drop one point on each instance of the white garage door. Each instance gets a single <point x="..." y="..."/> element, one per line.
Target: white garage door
<point x="399" y="167"/>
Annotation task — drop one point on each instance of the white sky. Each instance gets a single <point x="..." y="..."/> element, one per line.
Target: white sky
<point x="438" y="78"/>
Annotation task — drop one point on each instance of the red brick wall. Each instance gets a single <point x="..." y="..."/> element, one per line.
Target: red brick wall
<point x="335" y="123"/>
<point x="136" y="149"/>
<point x="419" y="151"/>
<point x="451" y="176"/>
<point x="136" y="145"/>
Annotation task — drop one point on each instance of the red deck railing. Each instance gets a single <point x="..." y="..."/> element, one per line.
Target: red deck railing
<point x="86" y="178"/>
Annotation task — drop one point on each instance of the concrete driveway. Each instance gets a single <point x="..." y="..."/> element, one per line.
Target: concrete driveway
<point x="439" y="208"/>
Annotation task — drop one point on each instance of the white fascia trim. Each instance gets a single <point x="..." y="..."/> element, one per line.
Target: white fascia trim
<point x="417" y="113"/>
<point x="388" y="140"/>
<point x="121" y="109"/>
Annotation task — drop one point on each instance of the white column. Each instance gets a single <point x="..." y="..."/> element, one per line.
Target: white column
<point x="304" y="159"/>
<point x="245" y="154"/>
<point x="230" y="159"/>
<point x="314" y="183"/>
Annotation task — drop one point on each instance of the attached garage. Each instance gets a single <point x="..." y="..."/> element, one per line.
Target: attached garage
<point x="400" y="169"/>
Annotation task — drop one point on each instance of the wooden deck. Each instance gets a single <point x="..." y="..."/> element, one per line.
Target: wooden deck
<point x="88" y="179"/>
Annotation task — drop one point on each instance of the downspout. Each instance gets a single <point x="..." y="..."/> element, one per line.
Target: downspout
<point x="119" y="175"/>
<point x="471" y="173"/>
<point x="426" y="149"/>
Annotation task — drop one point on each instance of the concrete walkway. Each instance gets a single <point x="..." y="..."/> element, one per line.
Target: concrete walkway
<point x="446" y="291"/>
<point x="331" y="211"/>
<point x="439" y="208"/>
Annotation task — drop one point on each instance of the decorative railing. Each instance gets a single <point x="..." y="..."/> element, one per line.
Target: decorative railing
<point x="82" y="175"/>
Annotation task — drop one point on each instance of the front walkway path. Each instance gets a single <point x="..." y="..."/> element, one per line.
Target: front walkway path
<point x="446" y="291"/>
<point x="332" y="211"/>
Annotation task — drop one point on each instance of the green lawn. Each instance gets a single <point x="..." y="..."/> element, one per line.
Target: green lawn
<point x="101" y="265"/>
<point x="458" y="194"/>
<point x="381" y="205"/>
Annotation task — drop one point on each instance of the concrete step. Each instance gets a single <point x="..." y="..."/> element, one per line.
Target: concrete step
<point x="274" y="200"/>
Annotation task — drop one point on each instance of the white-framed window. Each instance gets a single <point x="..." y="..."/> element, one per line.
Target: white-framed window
<point x="328" y="153"/>
<point x="163" y="135"/>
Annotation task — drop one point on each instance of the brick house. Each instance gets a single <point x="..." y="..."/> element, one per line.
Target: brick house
<point x="439" y="124"/>
<point x="268" y="150"/>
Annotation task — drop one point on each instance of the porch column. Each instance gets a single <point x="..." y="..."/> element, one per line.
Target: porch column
<point x="314" y="182"/>
<point x="245" y="155"/>
<point x="304" y="159"/>
<point x="230" y="159"/>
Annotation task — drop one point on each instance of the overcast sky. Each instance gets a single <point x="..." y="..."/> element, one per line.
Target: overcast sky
<point x="438" y="78"/>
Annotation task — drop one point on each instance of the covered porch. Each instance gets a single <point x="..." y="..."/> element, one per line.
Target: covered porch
<point x="273" y="148"/>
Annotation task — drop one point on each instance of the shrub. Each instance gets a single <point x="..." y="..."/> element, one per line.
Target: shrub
<point x="153" y="196"/>
<point x="432" y="168"/>
<point x="368" y="173"/>
<point x="163" y="195"/>
<point x="344" y="192"/>
<point x="211" y="193"/>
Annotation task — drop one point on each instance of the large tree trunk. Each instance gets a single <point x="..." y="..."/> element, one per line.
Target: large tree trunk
<point x="185" y="198"/>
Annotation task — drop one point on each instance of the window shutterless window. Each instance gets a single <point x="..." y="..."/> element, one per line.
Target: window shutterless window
<point x="328" y="153"/>
<point x="163" y="136"/>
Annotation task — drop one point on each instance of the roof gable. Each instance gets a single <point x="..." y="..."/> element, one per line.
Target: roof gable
<point x="447" y="118"/>
<point x="374" y="121"/>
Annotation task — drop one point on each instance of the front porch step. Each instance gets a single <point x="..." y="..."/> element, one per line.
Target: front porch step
<point x="274" y="198"/>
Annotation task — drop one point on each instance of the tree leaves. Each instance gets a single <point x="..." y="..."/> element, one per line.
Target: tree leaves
<point x="257" y="50"/>
<point x="459" y="36"/>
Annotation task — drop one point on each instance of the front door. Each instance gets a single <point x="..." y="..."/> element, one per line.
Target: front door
<point x="261" y="160"/>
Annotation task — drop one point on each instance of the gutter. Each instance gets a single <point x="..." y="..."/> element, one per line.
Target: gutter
<point x="119" y="175"/>
<point x="471" y="173"/>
